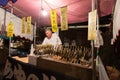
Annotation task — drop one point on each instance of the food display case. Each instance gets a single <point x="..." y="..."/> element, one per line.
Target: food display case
<point x="72" y="61"/>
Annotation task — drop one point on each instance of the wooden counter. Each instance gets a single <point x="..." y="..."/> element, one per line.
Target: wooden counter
<point x="22" y="59"/>
<point x="68" y="69"/>
<point x="73" y="70"/>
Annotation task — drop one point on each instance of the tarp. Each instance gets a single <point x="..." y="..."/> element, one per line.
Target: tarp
<point x="4" y="2"/>
<point x="101" y="70"/>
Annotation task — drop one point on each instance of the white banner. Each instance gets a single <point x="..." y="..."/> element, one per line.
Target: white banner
<point x="116" y="19"/>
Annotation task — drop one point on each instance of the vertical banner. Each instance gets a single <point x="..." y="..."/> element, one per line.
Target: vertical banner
<point x="3" y="32"/>
<point x="64" y="20"/>
<point x="23" y="25"/>
<point x="10" y="29"/>
<point x="29" y="25"/>
<point x="92" y="25"/>
<point x="53" y="17"/>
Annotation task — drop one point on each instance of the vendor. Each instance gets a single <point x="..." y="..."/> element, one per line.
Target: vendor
<point x="52" y="38"/>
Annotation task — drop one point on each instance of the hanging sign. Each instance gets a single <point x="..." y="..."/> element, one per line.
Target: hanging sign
<point x="10" y="29"/>
<point x="23" y="25"/>
<point x="3" y="32"/>
<point x="64" y="21"/>
<point x="92" y="25"/>
<point x="29" y="25"/>
<point x="53" y="17"/>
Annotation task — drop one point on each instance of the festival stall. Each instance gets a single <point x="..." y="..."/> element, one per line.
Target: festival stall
<point x="27" y="60"/>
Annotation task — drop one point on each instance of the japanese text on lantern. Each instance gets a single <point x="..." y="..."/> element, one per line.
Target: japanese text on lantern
<point x="10" y="29"/>
<point x="53" y="17"/>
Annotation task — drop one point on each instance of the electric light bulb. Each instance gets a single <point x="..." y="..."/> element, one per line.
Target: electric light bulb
<point x="44" y="13"/>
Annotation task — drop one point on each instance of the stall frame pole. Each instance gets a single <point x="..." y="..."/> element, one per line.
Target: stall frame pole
<point x="11" y="12"/>
<point x="92" y="45"/>
<point x="34" y="35"/>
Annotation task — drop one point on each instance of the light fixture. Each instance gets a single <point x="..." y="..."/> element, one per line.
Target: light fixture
<point x="43" y="11"/>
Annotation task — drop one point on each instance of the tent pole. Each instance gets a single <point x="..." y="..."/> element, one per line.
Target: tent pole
<point x="92" y="44"/>
<point x="93" y="62"/>
<point x="10" y="37"/>
<point x="9" y="46"/>
<point x="34" y="35"/>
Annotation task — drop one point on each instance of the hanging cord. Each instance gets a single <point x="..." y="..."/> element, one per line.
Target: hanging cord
<point x="11" y="13"/>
